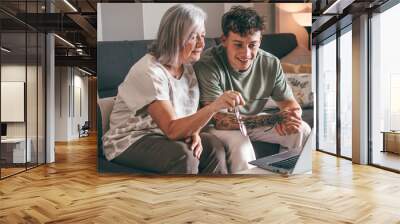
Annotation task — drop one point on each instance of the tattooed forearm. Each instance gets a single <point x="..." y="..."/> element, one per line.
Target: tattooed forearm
<point x="227" y="121"/>
<point x="263" y="120"/>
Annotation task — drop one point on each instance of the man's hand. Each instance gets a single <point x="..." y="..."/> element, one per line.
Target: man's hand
<point x="195" y="144"/>
<point x="291" y="122"/>
<point x="228" y="100"/>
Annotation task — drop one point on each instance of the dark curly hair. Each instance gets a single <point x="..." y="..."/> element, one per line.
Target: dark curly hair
<point x="242" y="20"/>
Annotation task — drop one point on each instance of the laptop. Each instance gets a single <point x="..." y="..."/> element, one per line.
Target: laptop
<point x="289" y="162"/>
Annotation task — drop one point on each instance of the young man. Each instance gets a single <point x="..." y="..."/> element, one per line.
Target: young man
<point x="239" y="65"/>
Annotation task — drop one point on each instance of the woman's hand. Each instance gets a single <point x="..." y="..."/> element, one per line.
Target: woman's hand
<point x="195" y="144"/>
<point x="228" y="100"/>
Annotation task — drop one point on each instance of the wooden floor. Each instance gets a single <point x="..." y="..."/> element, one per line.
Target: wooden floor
<point x="10" y="171"/>
<point x="71" y="191"/>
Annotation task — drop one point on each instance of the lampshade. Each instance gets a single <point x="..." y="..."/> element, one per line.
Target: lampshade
<point x="293" y="7"/>
<point x="302" y="18"/>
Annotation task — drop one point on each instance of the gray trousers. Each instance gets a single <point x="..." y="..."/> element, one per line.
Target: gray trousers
<point x="156" y="153"/>
<point x="240" y="150"/>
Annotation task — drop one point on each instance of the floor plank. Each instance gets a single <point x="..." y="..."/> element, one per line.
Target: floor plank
<point x="71" y="191"/>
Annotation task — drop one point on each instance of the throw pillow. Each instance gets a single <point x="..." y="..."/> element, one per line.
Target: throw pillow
<point x="106" y="105"/>
<point x="301" y="88"/>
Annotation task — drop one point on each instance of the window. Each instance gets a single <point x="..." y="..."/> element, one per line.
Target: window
<point x="385" y="85"/>
<point x="22" y="65"/>
<point x="327" y="96"/>
<point x="346" y="93"/>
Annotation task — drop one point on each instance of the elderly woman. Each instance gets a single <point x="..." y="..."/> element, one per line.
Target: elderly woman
<point x="154" y="125"/>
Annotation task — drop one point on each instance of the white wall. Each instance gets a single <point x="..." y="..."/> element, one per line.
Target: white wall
<point x="121" y="21"/>
<point x="15" y="72"/>
<point x="33" y="126"/>
<point x="80" y="83"/>
<point x="62" y="81"/>
<point x="67" y="116"/>
<point x="267" y="11"/>
<point x="213" y="23"/>
<point x="152" y="14"/>
<point x="140" y="21"/>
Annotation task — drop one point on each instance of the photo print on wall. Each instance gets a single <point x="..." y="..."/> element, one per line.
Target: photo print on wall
<point x="204" y="88"/>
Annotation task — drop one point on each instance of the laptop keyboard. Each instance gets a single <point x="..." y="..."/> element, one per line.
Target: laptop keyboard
<point x="288" y="163"/>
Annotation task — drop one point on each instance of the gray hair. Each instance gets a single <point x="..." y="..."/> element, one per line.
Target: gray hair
<point x="176" y="25"/>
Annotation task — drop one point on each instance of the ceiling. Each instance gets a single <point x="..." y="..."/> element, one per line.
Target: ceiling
<point x="332" y="15"/>
<point x="72" y="20"/>
<point x="76" y="23"/>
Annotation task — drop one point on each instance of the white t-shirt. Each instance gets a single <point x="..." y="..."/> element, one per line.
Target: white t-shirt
<point x="147" y="80"/>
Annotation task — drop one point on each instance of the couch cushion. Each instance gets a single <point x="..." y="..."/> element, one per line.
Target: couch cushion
<point x="114" y="60"/>
<point x="296" y="68"/>
<point x="308" y="116"/>
<point x="106" y="106"/>
<point x="302" y="90"/>
<point x="299" y="55"/>
<point x="301" y="86"/>
<point x="280" y="44"/>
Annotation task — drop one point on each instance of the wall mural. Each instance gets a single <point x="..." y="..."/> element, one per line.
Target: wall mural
<point x="179" y="94"/>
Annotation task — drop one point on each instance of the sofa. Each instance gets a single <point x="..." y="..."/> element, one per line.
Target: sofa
<point x="115" y="58"/>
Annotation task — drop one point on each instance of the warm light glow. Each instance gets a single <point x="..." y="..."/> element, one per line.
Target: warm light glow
<point x="84" y="71"/>
<point x="70" y="5"/>
<point x="303" y="18"/>
<point x="293" y="7"/>
<point x="5" y="50"/>
<point x="64" y="40"/>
